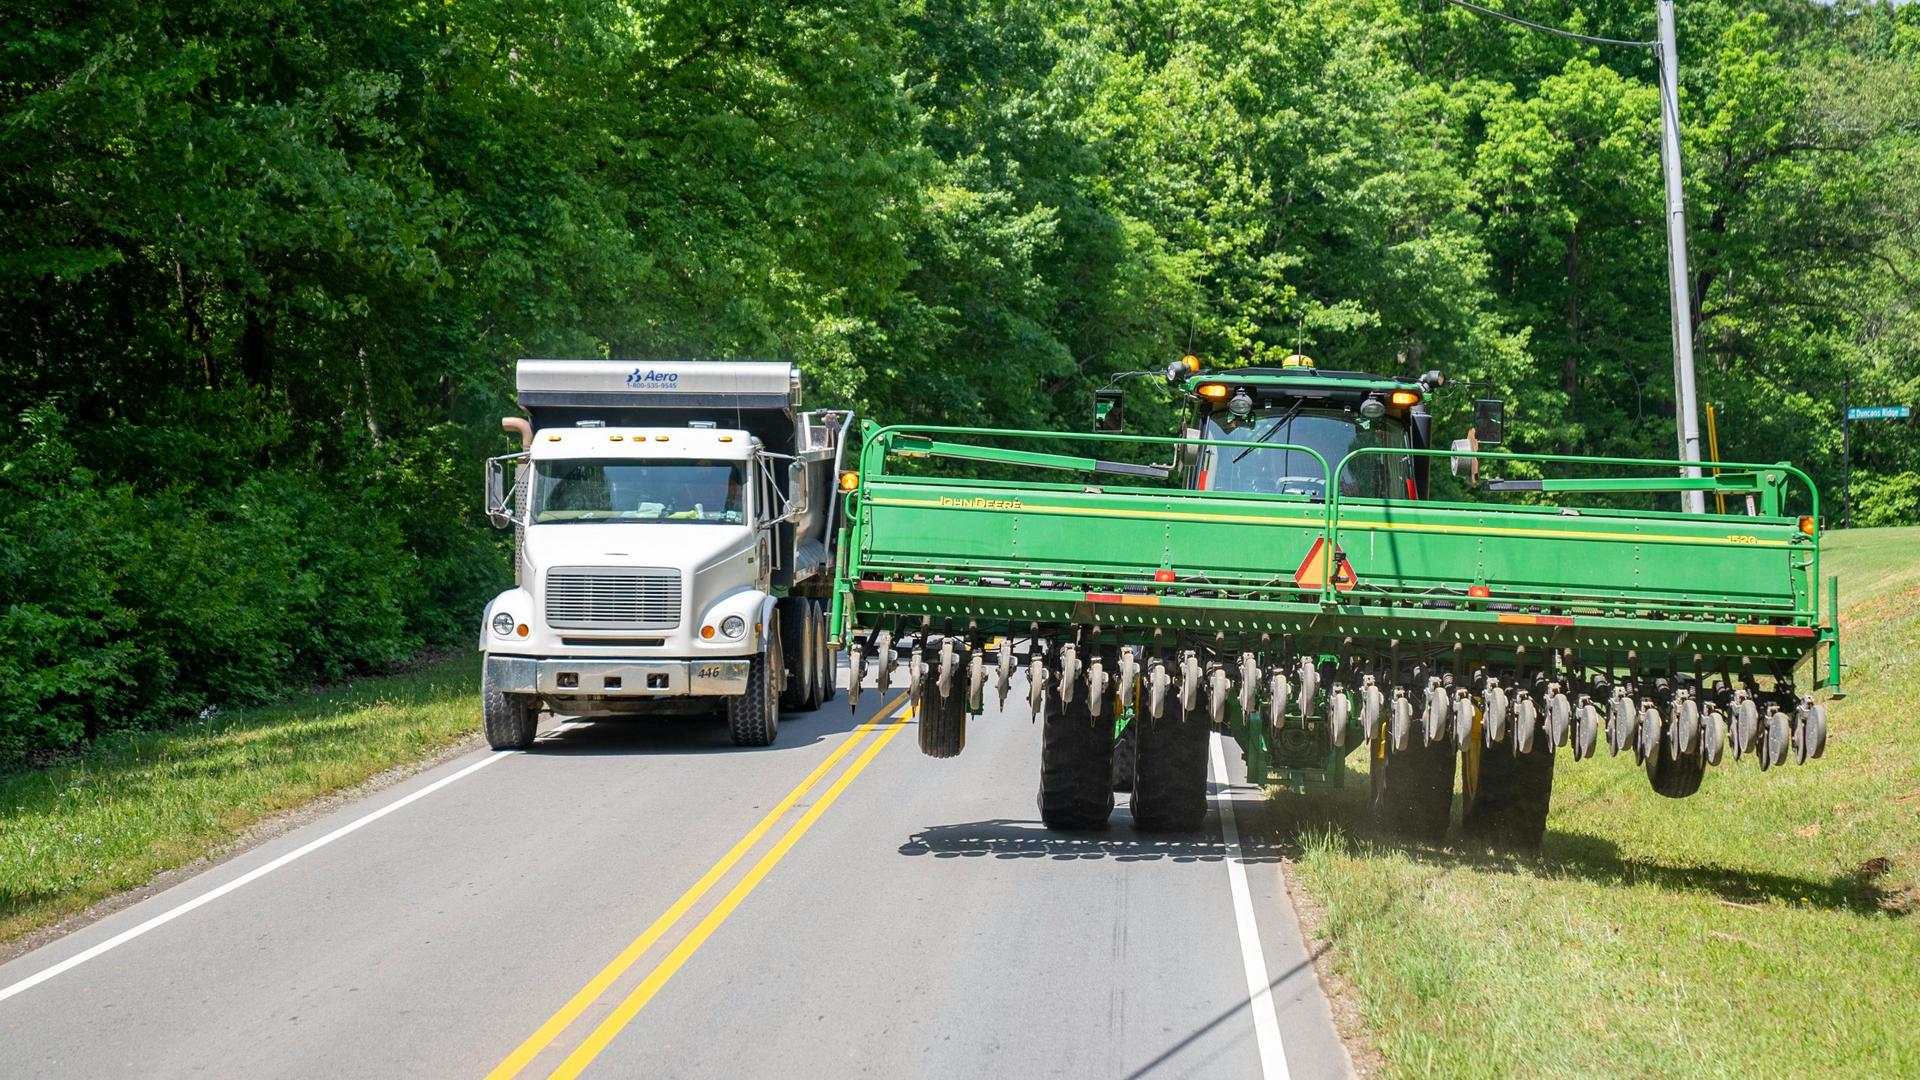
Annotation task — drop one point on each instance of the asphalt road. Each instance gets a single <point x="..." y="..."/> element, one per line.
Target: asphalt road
<point x="646" y="900"/>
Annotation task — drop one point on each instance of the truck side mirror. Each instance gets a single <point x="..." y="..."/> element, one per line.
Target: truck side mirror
<point x="1489" y="421"/>
<point x="1109" y="410"/>
<point x="500" y="496"/>
<point x="798" y="495"/>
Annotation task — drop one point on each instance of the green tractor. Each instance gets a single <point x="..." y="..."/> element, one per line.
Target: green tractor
<point x="1285" y="576"/>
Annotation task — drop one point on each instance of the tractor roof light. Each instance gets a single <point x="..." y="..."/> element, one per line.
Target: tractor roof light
<point x="1190" y="362"/>
<point x="1373" y="408"/>
<point x="1212" y="391"/>
<point x="1297" y="360"/>
<point x="1403" y="398"/>
<point x="1241" y="405"/>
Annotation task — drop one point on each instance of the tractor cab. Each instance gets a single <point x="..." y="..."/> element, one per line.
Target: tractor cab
<point x="1282" y="413"/>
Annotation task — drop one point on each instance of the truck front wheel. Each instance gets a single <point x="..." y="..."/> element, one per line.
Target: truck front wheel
<point x="508" y="720"/>
<point x="1076" y="765"/>
<point x="753" y="718"/>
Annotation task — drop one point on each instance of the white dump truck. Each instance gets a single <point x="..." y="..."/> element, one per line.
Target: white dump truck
<point x="673" y="547"/>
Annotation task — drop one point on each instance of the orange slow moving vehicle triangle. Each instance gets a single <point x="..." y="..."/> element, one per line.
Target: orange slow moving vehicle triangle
<point x="1313" y="569"/>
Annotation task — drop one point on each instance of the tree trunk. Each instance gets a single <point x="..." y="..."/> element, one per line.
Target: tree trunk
<point x="256" y="348"/>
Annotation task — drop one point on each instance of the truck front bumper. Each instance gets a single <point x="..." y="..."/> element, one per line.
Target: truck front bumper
<point x="619" y="678"/>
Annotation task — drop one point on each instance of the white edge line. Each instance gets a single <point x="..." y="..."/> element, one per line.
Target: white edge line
<point x="1266" y="1022"/>
<point x="255" y="874"/>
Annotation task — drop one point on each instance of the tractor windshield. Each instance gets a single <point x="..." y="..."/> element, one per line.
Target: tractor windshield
<point x="577" y="489"/>
<point x="1263" y="466"/>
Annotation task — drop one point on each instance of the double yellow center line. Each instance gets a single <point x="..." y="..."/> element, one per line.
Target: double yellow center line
<point x="638" y="998"/>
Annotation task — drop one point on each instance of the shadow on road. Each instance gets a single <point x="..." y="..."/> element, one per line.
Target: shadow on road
<point x="1005" y="838"/>
<point x="687" y="735"/>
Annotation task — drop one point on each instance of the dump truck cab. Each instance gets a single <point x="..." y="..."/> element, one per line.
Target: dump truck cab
<point x="673" y="547"/>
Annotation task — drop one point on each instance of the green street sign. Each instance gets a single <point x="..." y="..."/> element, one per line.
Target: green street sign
<point x="1879" y="412"/>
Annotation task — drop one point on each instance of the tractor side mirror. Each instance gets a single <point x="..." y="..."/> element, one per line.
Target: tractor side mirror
<point x="1489" y="421"/>
<point x="1109" y="410"/>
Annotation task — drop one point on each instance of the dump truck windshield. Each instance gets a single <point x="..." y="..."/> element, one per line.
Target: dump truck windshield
<point x="1332" y="431"/>
<point x="617" y="490"/>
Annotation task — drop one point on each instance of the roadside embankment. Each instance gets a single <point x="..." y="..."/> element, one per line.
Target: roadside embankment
<point x="1769" y="925"/>
<point x="137" y="806"/>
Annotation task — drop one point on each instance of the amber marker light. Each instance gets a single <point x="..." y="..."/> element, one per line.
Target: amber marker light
<point x="706" y="632"/>
<point x="1213" y="391"/>
<point x="849" y="480"/>
<point x="1807" y="525"/>
<point x="1404" y="398"/>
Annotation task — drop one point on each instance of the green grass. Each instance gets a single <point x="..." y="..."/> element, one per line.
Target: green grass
<point x="1768" y="926"/>
<point x="138" y="805"/>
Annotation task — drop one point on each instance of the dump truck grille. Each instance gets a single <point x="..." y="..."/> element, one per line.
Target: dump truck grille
<point x="613" y="598"/>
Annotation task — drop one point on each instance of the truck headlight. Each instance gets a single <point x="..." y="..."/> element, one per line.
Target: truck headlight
<point x="503" y="624"/>
<point x="733" y="626"/>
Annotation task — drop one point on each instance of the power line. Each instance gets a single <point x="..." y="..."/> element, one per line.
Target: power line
<point x="1516" y="20"/>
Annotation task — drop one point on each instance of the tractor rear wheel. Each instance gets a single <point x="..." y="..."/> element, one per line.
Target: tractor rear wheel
<point x="1413" y="789"/>
<point x="1076" y="765"/>
<point x="1507" y="806"/>
<point x="1170" y="769"/>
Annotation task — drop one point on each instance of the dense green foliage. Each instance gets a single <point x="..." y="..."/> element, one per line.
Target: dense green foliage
<point x="268" y="264"/>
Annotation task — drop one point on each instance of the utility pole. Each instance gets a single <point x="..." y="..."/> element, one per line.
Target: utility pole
<point x="1685" y="400"/>
<point x="1846" y="453"/>
<point x="1666" y="55"/>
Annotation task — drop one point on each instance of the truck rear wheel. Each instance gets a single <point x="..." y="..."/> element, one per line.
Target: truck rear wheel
<point x="829" y="659"/>
<point x="1170" y="769"/>
<point x="753" y="718"/>
<point x="508" y="720"/>
<point x="1076" y="765"/>
<point x="1413" y="789"/>
<point x="797" y="628"/>
<point x="818" y="677"/>
<point x="1508" y="805"/>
